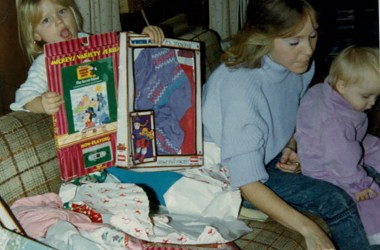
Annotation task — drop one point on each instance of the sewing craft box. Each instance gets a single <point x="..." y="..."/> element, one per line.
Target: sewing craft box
<point x="159" y="104"/>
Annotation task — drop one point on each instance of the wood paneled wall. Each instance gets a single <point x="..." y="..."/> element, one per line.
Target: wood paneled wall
<point x="13" y="62"/>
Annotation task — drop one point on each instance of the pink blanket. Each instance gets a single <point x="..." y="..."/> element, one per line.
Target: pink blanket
<point x="37" y="213"/>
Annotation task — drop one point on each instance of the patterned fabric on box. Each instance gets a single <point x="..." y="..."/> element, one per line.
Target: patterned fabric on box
<point x="28" y="165"/>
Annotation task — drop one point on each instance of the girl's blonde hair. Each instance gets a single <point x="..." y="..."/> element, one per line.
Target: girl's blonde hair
<point x="29" y="15"/>
<point x="354" y="65"/>
<point x="266" y="20"/>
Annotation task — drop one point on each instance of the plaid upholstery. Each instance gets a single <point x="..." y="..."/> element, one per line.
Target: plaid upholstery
<point x="272" y="235"/>
<point x="28" y="163"/>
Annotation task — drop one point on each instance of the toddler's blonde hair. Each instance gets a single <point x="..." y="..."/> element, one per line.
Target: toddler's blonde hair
<point x="355" y="65"/>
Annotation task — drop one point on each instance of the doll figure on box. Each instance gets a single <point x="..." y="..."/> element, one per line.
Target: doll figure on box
<point x="88" y="116"/>
<point x="142" y="138"/>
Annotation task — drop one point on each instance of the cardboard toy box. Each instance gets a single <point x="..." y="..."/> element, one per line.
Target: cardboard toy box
<point x="128" y="102"/>
<point x="159" y="104"/>
<point x="84" y="72"/>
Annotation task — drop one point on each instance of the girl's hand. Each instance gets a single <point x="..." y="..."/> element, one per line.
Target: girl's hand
<point x="51" y="102"/>
<point x="289" y="161"/>
<point x="365" y="194"/>
<point x="155" y="33"/>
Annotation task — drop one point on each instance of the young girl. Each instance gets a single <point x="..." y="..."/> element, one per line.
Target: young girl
<point x="331" y="131"/>
<point x="48" y="21"/>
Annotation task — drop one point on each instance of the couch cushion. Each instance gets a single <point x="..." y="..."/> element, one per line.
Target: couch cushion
<point x="272" y="235"/>
<point x="28" y="163"/>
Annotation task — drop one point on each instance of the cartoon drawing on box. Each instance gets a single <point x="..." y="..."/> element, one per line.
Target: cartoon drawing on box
<point x="143" y="138"/>
<point x="89" y="107"/>
<point x="101" y="101"/>
<point x="89" y="114"/>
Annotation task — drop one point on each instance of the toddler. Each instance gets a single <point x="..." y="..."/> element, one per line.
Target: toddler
<point x="331" y="132"/>
<point x="49" y="21"/>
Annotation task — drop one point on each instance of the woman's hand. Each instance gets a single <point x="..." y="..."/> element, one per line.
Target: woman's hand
<point x="315" y="238"/>
<point x="289" y="161"/>
<point x="155" y="33"/>
<point x="269" y="203"/>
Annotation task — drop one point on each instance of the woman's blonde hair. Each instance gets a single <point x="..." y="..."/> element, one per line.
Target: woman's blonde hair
<point x="29" y="15"/>
<point x="266" y="20"/>
<point x="355" y="64"/>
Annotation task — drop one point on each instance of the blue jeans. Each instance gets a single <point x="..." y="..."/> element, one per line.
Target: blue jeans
<point x="323" y="199"/>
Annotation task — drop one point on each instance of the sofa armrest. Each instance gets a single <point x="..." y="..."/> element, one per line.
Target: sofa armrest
<point x="28" y="159"/>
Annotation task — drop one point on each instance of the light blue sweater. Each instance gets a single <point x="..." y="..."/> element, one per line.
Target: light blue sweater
<point x="251" y="115"/>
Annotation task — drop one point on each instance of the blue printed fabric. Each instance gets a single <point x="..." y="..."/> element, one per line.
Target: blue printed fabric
<point x="162" y="85"/>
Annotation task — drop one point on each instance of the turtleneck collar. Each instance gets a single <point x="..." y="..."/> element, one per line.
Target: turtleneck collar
<point x="267" y="63"/>
<point x="273" y="72"/>
<point x="333" y="99"/>
<point x="277" y="72"/>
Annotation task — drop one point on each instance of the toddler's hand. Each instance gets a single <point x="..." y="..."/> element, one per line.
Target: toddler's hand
<point x="289" y="161"/>
<point x="155" y="33"/>
<point x="365" y="194"/>
<point x="51" y="102"/>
